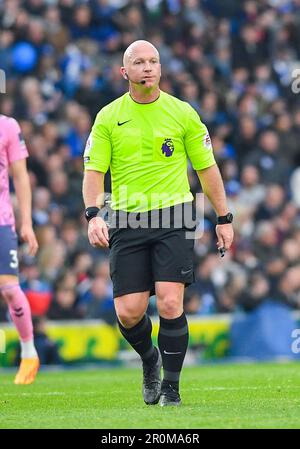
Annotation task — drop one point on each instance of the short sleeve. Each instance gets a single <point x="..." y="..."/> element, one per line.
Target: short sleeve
<point x="97" y="153"/>
<point x="197" y="142"/>
<point x="16" y="148"/>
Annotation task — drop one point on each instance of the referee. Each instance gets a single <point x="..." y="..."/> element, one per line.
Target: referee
<point x="146" y="137"/>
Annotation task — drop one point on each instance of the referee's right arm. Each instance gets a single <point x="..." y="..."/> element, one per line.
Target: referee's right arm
<point x="93" y="196"/>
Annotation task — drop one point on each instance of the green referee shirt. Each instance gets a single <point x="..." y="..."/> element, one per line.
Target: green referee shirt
<point x="147" y="147"/>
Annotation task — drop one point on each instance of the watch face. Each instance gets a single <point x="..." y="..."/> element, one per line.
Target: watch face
<point x="229" y="217"/>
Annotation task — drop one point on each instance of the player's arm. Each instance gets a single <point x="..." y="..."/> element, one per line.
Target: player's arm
<point x="213" y="187"/>
<point x="93" y="188"/>
<point x="23" y="192"/>
<point x="200" y="152"/>
<point x="97" y="156"/>
<point x="93" y="196"/>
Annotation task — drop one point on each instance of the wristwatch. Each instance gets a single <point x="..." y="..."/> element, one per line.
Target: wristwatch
<point x="91" y="212"/>
<point x="225" y="219"/>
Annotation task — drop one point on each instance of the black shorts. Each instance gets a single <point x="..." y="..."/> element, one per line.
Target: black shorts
<point x="140" y="257"/>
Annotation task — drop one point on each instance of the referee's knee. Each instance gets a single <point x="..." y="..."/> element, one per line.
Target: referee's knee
<point x="169" y="306"/>
<point x="129" y="317"/>
<point x="131" y="308"/>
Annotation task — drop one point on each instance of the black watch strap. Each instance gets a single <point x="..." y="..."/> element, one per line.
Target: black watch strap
<point x="225" y="219"/>
<point x="91" y="212"/>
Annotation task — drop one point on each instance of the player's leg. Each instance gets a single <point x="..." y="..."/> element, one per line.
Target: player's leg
<point x="130" y="269"/>
<point x="134" y="323"/>
<point x="172" y="338"/>
<point x="18" y="305"/>
<point x="136" y="327"/>
<point x="172" y="260"/>
<point x="20" y="313"/>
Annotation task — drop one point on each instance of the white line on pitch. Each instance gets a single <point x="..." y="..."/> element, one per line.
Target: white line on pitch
<point x="49" y="393"/>
<point x="286" y="387"/>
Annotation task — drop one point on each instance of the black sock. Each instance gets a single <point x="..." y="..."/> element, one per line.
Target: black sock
<point x="139" y="337"/>
<point x="173" y="340"/>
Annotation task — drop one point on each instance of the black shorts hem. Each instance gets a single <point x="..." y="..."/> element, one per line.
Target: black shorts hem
<point x="151" y="288"/>
<point x="174" y="279"/>
<point x="169" y="279"/>
<point x="180" y="281"/>
<point x="127" y="291"/>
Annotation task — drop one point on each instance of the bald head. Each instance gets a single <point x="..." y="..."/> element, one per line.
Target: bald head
<point x="142" y="68"/>
<point x="136" y="48"/>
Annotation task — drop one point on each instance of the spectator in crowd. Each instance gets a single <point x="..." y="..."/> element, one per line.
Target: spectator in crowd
<point x="47" y="349"/>
<point x="63" y="304"/>
<point x="270" y="159"/>
<point x="100" y="302"/>
<point x="37" y="290"/>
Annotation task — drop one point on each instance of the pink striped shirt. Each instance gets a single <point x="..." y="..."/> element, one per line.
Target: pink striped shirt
<point x="12" y="148"/>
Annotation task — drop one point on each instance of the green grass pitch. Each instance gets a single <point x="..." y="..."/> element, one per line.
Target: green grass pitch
<point x="214" y="396"/>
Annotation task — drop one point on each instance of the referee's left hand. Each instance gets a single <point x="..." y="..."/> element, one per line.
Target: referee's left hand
<point x="225" y="235"/>
<point x="98" y="233"/>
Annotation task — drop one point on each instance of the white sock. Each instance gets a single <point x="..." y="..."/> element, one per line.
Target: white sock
<point x="28" y="350"/>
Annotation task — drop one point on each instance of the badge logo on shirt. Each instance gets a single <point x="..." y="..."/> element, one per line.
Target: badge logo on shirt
<point x="167" y="147"/>
<point x="21" y="139"/>
<point x="207" y="140"/>
<point x="88" y="146"/>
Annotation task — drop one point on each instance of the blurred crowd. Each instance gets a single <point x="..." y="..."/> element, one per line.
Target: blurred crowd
<point x="235" y="62"/>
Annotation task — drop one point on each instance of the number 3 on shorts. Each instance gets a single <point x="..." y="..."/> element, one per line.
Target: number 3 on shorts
<point x="14" y="258"/>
